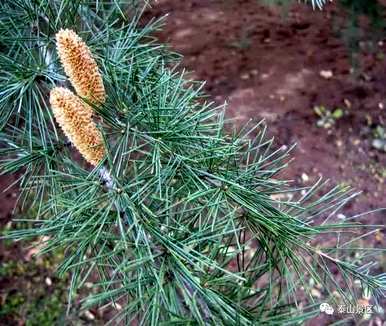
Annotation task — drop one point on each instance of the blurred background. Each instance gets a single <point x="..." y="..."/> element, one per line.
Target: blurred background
<point x="317" y="77"/>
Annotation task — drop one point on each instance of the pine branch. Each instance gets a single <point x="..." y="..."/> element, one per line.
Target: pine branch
<point x="181" y="219"/>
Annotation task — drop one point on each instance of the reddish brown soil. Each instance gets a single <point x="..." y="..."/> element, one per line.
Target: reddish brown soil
<point x="275" y="74"/>
<point x="266" y="63"/>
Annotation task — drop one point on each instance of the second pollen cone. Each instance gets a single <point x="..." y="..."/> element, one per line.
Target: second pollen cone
<point x="74" y="117"/>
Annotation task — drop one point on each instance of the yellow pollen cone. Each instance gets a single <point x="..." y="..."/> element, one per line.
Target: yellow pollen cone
<point x="80" y="66"/>
<point x="74" y="117"/>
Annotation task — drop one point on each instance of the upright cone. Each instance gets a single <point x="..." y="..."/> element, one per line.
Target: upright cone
<point x="74" y="117"/>
<point x="80" y="66"/>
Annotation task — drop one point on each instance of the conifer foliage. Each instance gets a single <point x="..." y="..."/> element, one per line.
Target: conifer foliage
<point x="180" y="219"/>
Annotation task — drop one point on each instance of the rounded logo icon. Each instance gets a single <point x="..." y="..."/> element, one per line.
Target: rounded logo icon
<point x="325" y="307"/>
